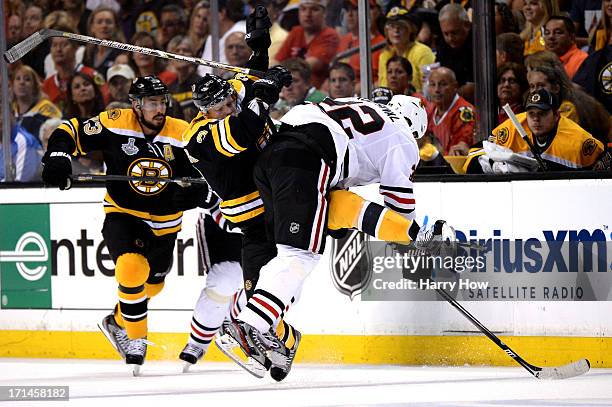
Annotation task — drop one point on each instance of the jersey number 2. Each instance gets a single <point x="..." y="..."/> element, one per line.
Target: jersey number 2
<point x="354" y="112"/>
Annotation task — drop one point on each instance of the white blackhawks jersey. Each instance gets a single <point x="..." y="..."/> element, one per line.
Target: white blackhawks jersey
<point x="374" y="144"/>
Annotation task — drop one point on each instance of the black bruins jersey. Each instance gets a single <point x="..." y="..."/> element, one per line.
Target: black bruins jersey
<point x="127" y="151"/>
<point x="225" y="151"/>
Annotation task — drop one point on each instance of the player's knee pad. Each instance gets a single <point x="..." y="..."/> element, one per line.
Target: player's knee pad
<point x="131" y="270"/>
<point x="344" y="209"/>
<point x="153" y="289"/>
<point x="224" y="278"/>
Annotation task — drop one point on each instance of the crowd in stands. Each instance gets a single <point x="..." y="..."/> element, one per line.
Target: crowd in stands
<point x="424" y="50"/>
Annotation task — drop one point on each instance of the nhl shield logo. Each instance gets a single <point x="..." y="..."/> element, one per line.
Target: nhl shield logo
<point x="351" y="267"/>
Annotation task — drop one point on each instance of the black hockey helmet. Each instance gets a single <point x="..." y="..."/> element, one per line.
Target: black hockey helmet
<point x="147" y="86"/>
<point x="210" y="90"/>
<point x="381" y="95"/>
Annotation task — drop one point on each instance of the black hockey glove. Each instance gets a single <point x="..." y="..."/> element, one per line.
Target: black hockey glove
<point x="189" y="197"/>
<point x="57" y="169"/>
<point x="269" y="87"/>
<point x="258" y="29"/>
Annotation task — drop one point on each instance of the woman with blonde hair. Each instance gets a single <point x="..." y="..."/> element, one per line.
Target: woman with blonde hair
<point x="103" y="23"/>
<point x="602" y="36"/>
<point x="401" y="31"/>
<point x="198" y="25"/>
<point x="537" y="13"/>
<point x="28" y="105"/>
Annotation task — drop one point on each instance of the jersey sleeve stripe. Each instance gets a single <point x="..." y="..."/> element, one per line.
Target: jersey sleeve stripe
<point x="396" y="189"/>
<point x="228" y="134"/>
<point x="398" y="199"/>
<point x="218" y="143"/>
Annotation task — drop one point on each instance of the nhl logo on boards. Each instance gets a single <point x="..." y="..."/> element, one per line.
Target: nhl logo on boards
<point x="351" y="263"/>
<point x="129" y="148"/>
<point x="294" y="227"/>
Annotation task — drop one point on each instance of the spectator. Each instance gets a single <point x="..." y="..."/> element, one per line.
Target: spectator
<point x="78" y="14"/>
<point x="504" y="19"/>
<point x="278" y="34"/>
<point x="119" y="78"/>
<point x="576" y="104"/>
<point x="26" y="153"/>
<point x="602" y="36"/>
<point x="187" y="75"/>
<point x="511" y="86"/>
<point x="430" y="32"/>
<point x="536" y="12"/>
<point x="14" y="31"/>
<point x="594" y="76"/>
<point x="455" y="52"/>
<point x="29" y="108"/>
<point x="63" y="53"/>
<point x="351" y="38"/>
<point x="144" y="65"/>
<point x="231" y="19"/>
<point x="450" y="116"/>
<point x="301" y="89"/>
<point x="103" y="24"/>
<point x="585" y="15"/>
<point x="311" y="40"/>
<point x="237" y="52"/>
<point x="198" y="25"/>
<point x="32" y="22"/>
<point x="84" y="97"/>
<point x="562" y="144"/>
<point x="59" y="19"/>
<point x="509" y="48"/>
<point x="401" y="29"/>
<point x="560" y="38"/>
<point x="172" y="21"/>
<point x="46" y="129"/>
<point x="399" y="76"/>
<point x="341" y="81"/>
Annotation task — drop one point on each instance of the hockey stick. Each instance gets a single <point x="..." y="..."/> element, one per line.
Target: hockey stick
<point x="19" y="50"/>
<point x="523" y="134"/>
<point x="547" y="373"/>
<point x="96" y="177"/>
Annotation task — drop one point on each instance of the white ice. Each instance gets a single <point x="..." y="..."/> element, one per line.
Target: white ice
<point x="110" y="383"/>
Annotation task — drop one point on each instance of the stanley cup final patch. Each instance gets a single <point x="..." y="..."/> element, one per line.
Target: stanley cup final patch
<point x="351" y="263"/>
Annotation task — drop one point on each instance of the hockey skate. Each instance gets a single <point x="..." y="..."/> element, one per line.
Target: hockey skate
<point x="249" y="348"/>
<point x="115" y="334"/>
<point x="438" y="240"/>
<point x="190" y="355"/>
<point x="135" y="354"/>
<point x="279" y="372"/>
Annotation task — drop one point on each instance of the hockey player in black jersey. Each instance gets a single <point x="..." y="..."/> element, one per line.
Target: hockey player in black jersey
<point x="142" y="217"/>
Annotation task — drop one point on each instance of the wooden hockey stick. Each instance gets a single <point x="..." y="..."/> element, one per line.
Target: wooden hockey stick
<point x="524" y="135"/>
<point x="19" y="50"/>
<point x="546" y="373"/>
<point x="96" y="177"/>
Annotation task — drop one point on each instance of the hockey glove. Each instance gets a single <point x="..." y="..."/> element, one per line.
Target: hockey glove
<point x="192" y="196"/>
<point x="269" y="87"/>
<point x="57" y="169"/>
<point x="258" y="29"/>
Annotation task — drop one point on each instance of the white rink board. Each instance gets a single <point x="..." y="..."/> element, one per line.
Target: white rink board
<point x="519" y="209"/>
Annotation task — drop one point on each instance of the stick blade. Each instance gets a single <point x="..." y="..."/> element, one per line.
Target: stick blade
<point x="573" y="369"/>
<point x="19" y="50"/>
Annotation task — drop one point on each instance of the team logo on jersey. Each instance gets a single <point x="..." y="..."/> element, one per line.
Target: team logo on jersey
<point x="92" y="126"/>
<point x="502" y="135"/>
<point x="588" y="147"/>
<point x="351" y="263"/>
<point x="465" y="114"/>
<point x="149" y="167"/>
<point x="129" y="148"/>
<point x="201" y="134"/>
<point x="605" y="78"/>
<point x="114" y="114"/>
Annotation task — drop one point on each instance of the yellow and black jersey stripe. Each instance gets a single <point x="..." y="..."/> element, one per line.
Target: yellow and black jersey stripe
<point x="160" y="224"/>
<point x="242" y="209"/>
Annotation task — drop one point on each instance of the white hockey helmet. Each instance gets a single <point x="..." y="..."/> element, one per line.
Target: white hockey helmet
<point x="413" y="110"/>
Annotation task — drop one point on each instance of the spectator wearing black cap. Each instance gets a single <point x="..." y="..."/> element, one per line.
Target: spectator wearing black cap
<point x="561" y="143"/>
<point x="401" y="30"/>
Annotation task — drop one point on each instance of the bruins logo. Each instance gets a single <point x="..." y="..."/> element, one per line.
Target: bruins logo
<point x="114" y="114"/>
<point x="149" y="167"/>
<point x="502" y="136"/>
<point x="92" y="126"/>
<point x="605" y="78"/>
<point x="588" y="147"/>
<point x="465" y="114"/>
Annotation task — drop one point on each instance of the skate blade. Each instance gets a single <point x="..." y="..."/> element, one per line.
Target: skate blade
<point x="136" y="370"/>
<point x="232" y="350"/>
<point x="186" y="367"/>
<point x="110" y="340"/>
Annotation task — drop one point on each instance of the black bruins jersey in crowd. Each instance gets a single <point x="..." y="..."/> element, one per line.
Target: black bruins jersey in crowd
<point x="225" y="151"/>
<point x="127" y="151"/>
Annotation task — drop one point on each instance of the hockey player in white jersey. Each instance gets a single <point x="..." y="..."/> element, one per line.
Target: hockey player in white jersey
<point x="333" y="144"/>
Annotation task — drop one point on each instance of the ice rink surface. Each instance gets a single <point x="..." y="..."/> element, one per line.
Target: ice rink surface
<point x="110" y="383"/>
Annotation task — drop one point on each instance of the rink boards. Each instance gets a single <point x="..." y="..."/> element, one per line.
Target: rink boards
<point x="57" y="283"/>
